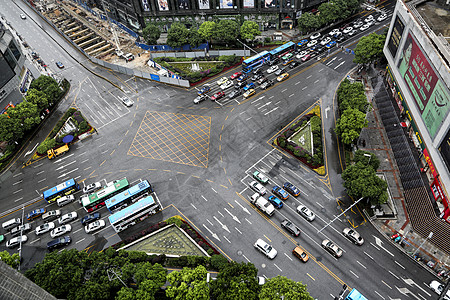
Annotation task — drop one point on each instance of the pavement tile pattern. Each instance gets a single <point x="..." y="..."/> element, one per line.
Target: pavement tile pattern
<point x="177" y="138"/>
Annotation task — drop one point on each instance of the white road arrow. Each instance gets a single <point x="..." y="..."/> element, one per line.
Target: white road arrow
<point x="411" y="282"/>
<point x="65" y="174"/>
<point x="244" y="208"/>
<point x="31" y="151"/>
<point x="405" y="291"/>
<point x="223" y="226"/>
<point x="379" y="244"/>
<point x="213" y="234"/>
<point x="233" y="216"/>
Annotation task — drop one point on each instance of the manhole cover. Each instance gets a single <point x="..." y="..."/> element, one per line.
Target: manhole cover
<point x="263" y="266"/>
<point x="323" y="209"/>
<point x="283" y="242"/>
<point x="239" y="252"/>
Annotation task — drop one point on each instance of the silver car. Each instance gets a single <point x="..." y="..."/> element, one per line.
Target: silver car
<point x="265" y="249"/>
<point x="353" y="236"/>
<point x="306" y="213"/>
<point x="61" y="230"/>
<point x="67" y="218"/>
<point x="258" y="187"/>
<point x="41" y="229"/>
<point x="332" y="248"/>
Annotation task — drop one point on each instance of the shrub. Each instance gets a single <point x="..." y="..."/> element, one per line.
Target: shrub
<point x="47" y="144"/>
<point x="177" y="221"/>
<point x="316" y="124"/>
<point x="281" y="141"/>
<point x="218" y="262"/>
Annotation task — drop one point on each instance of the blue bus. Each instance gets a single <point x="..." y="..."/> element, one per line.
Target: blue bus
<point x="134" y="213"/>
<point x="355" y="295"/>
<point x="255" y="61"/>
<point x="62" y="189"/>
<point x="128" y="196"/>
<point x="282" y="50"/>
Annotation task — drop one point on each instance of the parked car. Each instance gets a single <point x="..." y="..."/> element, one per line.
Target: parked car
<point x="97" y="225"/>
<point x="16" y="241"/>
<point x="59" y="242"/>
<point x="332" y="248"/>
<point x="199" y="99"/>
<point x="265" y="249"/>
<point x="438" y="288"/>
<point x="258" y="187"/>
<point x="67" y="218"/>
<point x="292" y="189"/>
<point x="92" y="187"/>
<point x="46" y="227"/>
<point x="261" y="177"/>
<point x="21" y="229"/>
<point x="60" y="230"/>
<point x="275" y="201"/>
<point x="90" y="218"/>
<point x="249" y="93"/>
<point x="353" y="236"/>
<point x="306" y="213"/>
<point x="51" y="215"/>
<point x="35" y="213"/>
<point x="290" y="227"/>
<point x="217" y="96"/>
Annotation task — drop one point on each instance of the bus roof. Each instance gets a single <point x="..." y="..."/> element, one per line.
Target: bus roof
<point x="355" y="295"/>
<point x="250" y="59"/>
<point x="58" y="188"/>
<point x="131" y="209"/>
<point x="281" y="48"/>
<point x="119" y="184"/>
<point x="127" y="193"/>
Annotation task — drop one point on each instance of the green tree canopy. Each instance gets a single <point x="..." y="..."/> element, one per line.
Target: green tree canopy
<point x="11" y="260"/>
<point x="37" y="97"/>
<point x="361" y="181"/>
<point x="10" y="128"/>
<point x="27" y="113"/>
<point x="369" y="48"/>
<point x="281" y="287"/>
<point x="194" y="37"/>
<point x="226" y="31"/>
<point x="249" y="30"/>
<point x="151" y="34"/>
<point x="49" y="86"/>
<point x="207" y="30"/>
<point x="364" y="158"/>
<point x="351" y="95"/>
<point x="177" y="35"/>
<point x="350" y="124"/>
<point x="237" y="281"/>
<point x="188" y="284"/>
<point x="307" y="22"/>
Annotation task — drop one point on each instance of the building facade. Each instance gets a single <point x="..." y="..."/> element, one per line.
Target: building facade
<point x="269" y="14"/>
<point x="418" y="74"/>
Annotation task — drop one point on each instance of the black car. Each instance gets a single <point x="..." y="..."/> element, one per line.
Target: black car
<point x="34" y="55"/>
<point x="257" y="77"/>
<point x="59" y="242"/>
<point x="262" y="80"/>
<point x="257" y="71"/>
<point x="234" y="94"/>
<point x="240" y="84"/>
<point x="273" y="62"/>
<point x="90" y="218"/>
<point x="290" y="227"/>
<point x="294" y="64"/>
<point x="266" y="84"/>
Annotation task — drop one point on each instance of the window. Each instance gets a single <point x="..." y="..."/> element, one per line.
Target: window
<point x="15" y="51"/>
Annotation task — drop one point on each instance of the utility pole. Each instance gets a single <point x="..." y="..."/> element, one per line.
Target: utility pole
<point x="350" y="207"/>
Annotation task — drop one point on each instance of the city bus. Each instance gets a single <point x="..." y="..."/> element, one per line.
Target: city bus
<point x="62" y="189"/>
<point x="283" y="50"/>
<point x="128" y="196"/>
<point x="255" y="61"/>
<point x="355" y="295"/>
<point x="96" y="200"/>
<point x="134" y="213"/>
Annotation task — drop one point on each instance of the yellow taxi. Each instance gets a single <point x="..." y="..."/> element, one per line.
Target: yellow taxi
<point x="249" y="93"/>
<point x="283" y="77"/>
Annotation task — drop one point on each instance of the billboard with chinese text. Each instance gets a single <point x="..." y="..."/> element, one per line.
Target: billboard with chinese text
<point x="396" y="36"/>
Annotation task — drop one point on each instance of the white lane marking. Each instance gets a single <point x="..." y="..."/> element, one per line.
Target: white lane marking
<point x="204" y="198"/>
<point x="38" y="239"/>
<point x="18" y="174"/>
<point x="291" y="95"/>
<point x="278" y="267"/>
<point x="227" y="239"/>
<point x="238" y="230"/>
<point x="19" y="190"/>
<point x="386" y="284"/>
<point x="304" y="88"/>
<point x="20" y="181"/>
<point x="368" y="255"/>
<point x="80" y="240"/>
<point x="283" y="90"/>
<point x="297" y="82"/>
<point x="193" y="206"/>
<point x="42" y="180"/>
<point x="248" y="221"/>
<point x="393" y="275"/>
<point x="38" y="173"/>
<point x="287" y="256"/>
<point x="361" y="264"/>
<point x="339" y="65"/>
<point x="18" y="199"/>
<point x="399" y="265"/>
<point x="270" y="111"/>
<point x="316" y="81"/>
<point x="209" y="222"/>
<point x="214" y="190"/>
<point x="353" y="273"/>
<point x="309" y="77"/>
<point x="245" y="257"/>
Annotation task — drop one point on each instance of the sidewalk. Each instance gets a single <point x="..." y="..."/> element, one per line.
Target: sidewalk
<point x="396" y="219"/>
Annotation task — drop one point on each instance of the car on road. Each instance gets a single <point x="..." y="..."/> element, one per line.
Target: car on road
<point x="262" y="80"/>
<point x="249" y="93"/>
<point x="382" y="17"/>
<point x="332" y="248"/>
<point x="287" y="56"/>
<point x="16" y="241"/>
<point x="257" y="77"/>
<point x="222" y="81"/>
<point x="51" y="215"/>
<point x="127" y="101"/>
<point x="330" y="44"/>
<point x="257" y="71"/>
<point x="353" y="32"/>
<point x="353" y="236"/>
<point x="302" y="54"/>
<point x="438" y="287"/>
<point x="315" y="36"/>
<point x="333" y="32"/>
<point x="46" y="227"/>
<point x="283" y="77"/>
<point x="243" y="77"/>
<point x="251" y="85"/>
<point x="311" y="43"/>
<point x="92" y="187"/>
<point x="300" y="254"/>
<point x="275" y="201"/>
<point x="66" y="218"/>
<point x="226" y="85"/>
<point x="217" y="96"/>
<point x="280" y="192"/>
<point x="90" y="218"/>
<point x="280" y="71"/>
<point x="21" y="229"/>
<point x="58" y="231"/>
<point x="59" y="65"/>
<point x="35" y="213"/>
<point x="235" y="75"/>
<point x="369" y="18"/>
<point x="261" y="177"/>
<point x="266" y="84"/>
<point x="240" y="84"/>
<point x="272" y="69"/>
<point x="325" y="41"/>
<point x="347" y="30"/>
<point x="204" y="90"/>
<point x="290" y="227"/>
<point x="59" y="242"/>
<point x="292" y="189"/>
<point x="306" y="57"/>
<point x="258" y="187"/>
<point x="358" y="24"/>
<point x="234" y="94"/>
<point x="199" y="99"/>
<point x="22" y="16"/>
<point x="273" y="62"/>
<point x="341" y="38"/>
<point x="306" y="213"/>
<point x="97" y="225"/>
<point x="294" y="64"/>
<point x="302" y="43"/>
<point x="364" y="27"/>
<point x="265" y="249"/>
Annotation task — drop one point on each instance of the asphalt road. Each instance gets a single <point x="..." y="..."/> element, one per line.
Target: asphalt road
<point x="199" y="159"/>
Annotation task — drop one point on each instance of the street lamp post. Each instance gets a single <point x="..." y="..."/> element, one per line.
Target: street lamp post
<point x="369" y="156"/>
<point x="20" y="241"/>
<point x="430" y="235"/>
<point x="350" y="207"/>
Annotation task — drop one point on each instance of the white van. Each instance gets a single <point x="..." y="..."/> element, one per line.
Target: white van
<point x="65" y="200"/>
<point x="11" y="223"/>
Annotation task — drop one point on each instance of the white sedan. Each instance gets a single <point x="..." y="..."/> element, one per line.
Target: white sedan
<point x="67" y="218"/>
<point x="334" y="31"/>
<point x="382" y="17"/>
<point x="60" y="231"/>
<point x="272" y="69"/>
<point x="369" y="18"/>
<point x="301" y="54"/>
<point x="325" y="41"/>
<point x="222" y="80"/>
<point x="92" y="187"/>
<point x="364" y="27"/>
<point x="306" y="213"/>
<point x="226" y="85"/>
<point x="41" y="229"/>
<point x="312" y="43"/>
<point x="347" y="30"/>
<point x="94" y="226"/>
<point x="315" y="36"/>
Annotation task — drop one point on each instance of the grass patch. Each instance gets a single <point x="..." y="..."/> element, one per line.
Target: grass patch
<point x="187" y="67"/>
<point x="303" y="138"/>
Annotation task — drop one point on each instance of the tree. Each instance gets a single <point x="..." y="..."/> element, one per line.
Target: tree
<point x="37" y="97"/>
<point x="369" y="48"/>
<point x="177" y="36"/>
<point x="10" y="128"/>
<point x="49" y="86"/>
<point x="362" y="156"/>
<point x="236" y="281"/>
<point x="11" y="260"/>
<point x="249" y="30"/>
<point x="226" y="31"/>
<point x="194" y="38"/>
<point x="350" y="124"/>
<point x="328" y="13"/>
<point x="207" y="30"/>
<point x="150" y="278"/>
<point x="46" y="145"/>
<point x="351" y="95"/>
<point x="281" y="287"/>
<point x="151" y="34"/>
<point x="188" y="284"/>
<point x="361" y="181"/>
<point x="307" y="22"/>
<point x="27" y="113"/>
